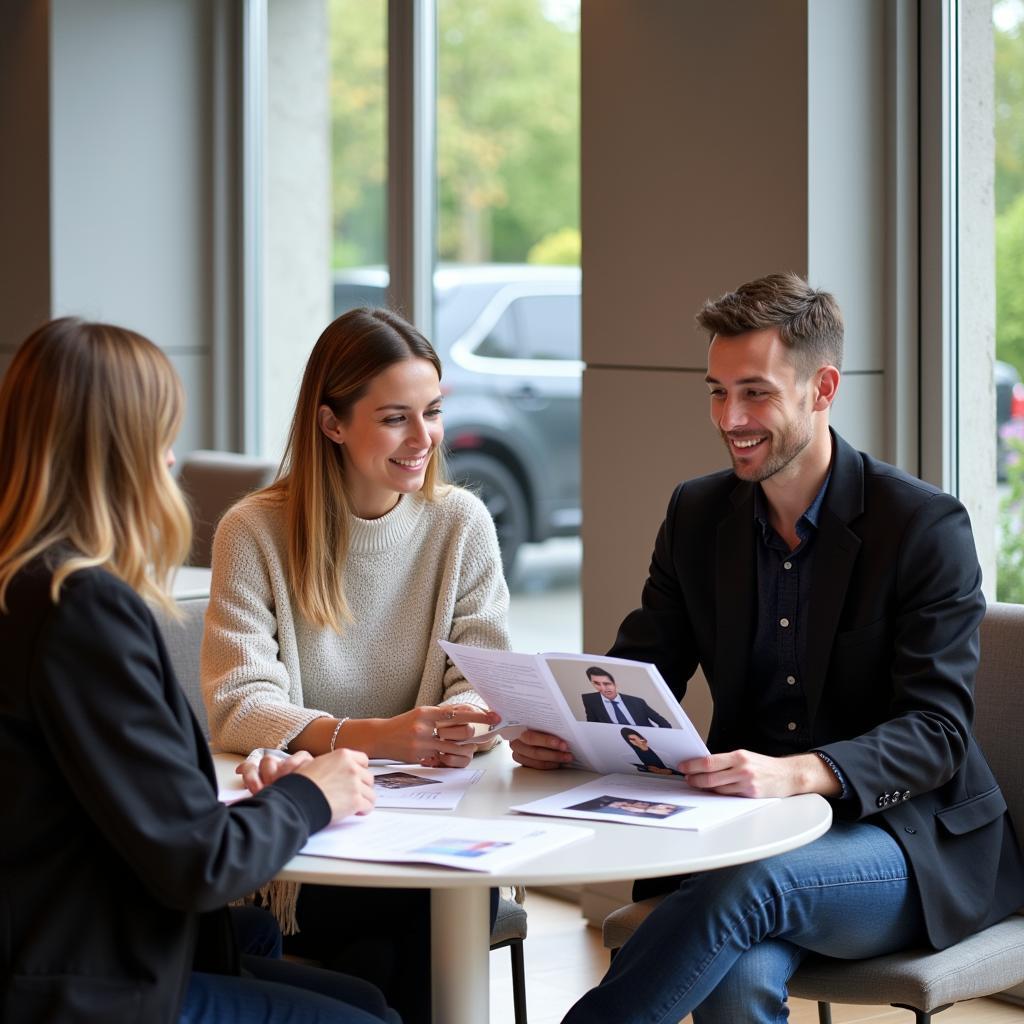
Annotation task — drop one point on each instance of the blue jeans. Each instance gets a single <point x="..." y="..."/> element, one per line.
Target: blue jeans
<point x="272" y="990"/>
<point x="280" y="998"/>
<point x="724" y="945"/>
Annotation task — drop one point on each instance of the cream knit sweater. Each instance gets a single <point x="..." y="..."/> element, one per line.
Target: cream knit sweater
<point x="423" y="572"/>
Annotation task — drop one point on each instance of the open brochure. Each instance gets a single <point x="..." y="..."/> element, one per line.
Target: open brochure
<point x="658" y="802"/>
<point x="472" y="844"/>
<point x="616" y="715"/>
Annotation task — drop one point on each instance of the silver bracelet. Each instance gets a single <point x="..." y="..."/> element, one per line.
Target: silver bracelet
<point x="337" y="729"/>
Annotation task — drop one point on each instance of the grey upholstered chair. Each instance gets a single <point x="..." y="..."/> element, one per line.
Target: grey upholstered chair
<point x="183" y="639"/>
<point x="212" y="483"/>
<point x="921" y="980"/>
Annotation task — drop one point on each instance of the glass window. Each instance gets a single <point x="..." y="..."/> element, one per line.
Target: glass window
<point x="358" y="105"/>
<point x="549" y="326"/>
<point x="1008" y="23"/>
<point x="508" y="220"/>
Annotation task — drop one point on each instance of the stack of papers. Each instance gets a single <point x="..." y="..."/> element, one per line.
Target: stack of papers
<point x="472" y="844"/>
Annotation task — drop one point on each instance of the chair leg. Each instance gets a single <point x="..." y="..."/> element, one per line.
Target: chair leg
<point x="518" y="981"/>
<point x="922" y="1016"/>
<point x="824" y="1013"/>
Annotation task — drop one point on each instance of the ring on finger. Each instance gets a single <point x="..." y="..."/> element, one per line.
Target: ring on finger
<point x="449" y="715"/>
<point x="434" y="733"/>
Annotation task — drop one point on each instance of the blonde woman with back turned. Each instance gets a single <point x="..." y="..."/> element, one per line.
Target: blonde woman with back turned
<point x="118" y="859"/>
<point x="330" y="591"/>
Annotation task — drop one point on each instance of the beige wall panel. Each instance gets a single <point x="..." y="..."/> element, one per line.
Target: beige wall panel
<point x="694" y="181"/>
<point x="645" y="431"/>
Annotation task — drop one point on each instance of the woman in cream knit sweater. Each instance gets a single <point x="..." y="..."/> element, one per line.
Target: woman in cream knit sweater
<point x="330" y="591"/>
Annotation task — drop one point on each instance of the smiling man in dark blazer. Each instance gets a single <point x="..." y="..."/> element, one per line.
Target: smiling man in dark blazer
<point x="833" y="603"/>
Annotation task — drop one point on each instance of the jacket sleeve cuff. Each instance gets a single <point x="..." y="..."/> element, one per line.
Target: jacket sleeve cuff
<point x="308" y="796"/>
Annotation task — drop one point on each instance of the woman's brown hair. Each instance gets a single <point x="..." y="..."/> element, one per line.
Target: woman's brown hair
<point x="352" y="350"/>
<point x="88" y="412"/>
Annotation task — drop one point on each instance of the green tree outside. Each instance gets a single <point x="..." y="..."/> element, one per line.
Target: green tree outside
<point x="507" y="129"/>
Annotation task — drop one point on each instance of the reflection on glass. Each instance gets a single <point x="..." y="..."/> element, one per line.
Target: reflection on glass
<point x="507" y="288"/>
<point x="1008" y="18"/>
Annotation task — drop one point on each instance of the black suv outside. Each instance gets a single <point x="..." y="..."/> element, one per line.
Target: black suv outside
<point x="509" y="340"/>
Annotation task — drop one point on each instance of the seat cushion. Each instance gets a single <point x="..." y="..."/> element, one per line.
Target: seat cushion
<point x="510" y="923"/>
<point x="979" y="965"/>
<point x="620" y="924"/>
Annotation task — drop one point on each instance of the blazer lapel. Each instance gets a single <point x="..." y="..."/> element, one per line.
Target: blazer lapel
<point x="735" y="603"/>
<point x="836" y="550"/>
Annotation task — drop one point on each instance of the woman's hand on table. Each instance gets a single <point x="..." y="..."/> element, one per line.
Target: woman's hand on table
<point x="540" y="750"/>
<point x="431" y="736"/>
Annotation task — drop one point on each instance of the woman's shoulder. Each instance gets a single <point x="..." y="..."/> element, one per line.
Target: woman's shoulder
<point x="462" y="518"/>
<point x="260" y="516"/>
<point x="459" y="505"/>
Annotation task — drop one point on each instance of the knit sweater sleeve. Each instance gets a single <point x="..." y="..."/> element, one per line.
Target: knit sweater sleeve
<point x="253" y="695"/>
<point x="480" y="615"/>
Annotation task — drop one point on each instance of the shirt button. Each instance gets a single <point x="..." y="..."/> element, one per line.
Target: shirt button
<point x="791" y="680"/>
<point x="787" y="565"/>
<point x="791" y="726"/>
<point x="783" y="623"/>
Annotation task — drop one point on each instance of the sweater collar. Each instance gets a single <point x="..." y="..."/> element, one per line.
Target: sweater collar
<point x="370" y="535"/>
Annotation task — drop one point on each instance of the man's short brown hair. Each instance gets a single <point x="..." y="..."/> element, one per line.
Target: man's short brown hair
<point x="808" y="320"/>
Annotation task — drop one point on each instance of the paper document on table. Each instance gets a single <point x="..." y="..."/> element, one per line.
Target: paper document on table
<point x="411" y="785"/>
<point x="472" y="844"/>
<point x="659" y="803"/>
<point x="616" y="715"/>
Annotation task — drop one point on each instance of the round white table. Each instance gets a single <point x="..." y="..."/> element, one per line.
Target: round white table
<point x="459" y="899"/>
<point x="191" y="582"/>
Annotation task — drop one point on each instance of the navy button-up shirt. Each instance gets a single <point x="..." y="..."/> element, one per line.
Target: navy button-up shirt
<point x="776" y="706"/>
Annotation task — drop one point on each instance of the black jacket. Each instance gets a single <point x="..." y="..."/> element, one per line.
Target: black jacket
<point x="891" y="654"/>
<point x="116" y="858"/>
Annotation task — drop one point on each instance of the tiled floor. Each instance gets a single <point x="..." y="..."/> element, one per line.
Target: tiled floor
<point x="564" y="958"/>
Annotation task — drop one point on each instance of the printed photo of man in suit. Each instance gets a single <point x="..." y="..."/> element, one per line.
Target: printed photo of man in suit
<point x="607" y="705"/>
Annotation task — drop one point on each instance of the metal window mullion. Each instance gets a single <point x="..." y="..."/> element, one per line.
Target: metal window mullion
<point x="412" y="91"/>
<point x="938" y="192"/>
<point x="254" y="125"/>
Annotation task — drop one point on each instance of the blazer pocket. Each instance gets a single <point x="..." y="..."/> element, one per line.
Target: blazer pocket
<point x="972" y="814"/>
<point x="868" y="634"/>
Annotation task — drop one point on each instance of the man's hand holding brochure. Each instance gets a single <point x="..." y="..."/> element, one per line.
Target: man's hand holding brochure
<point x="619" y="718"/>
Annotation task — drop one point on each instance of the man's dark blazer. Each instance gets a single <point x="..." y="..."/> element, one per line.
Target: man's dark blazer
<point x="892" y="648"/>
<point x="116" y="858"/>
<point x="637" y="707"/>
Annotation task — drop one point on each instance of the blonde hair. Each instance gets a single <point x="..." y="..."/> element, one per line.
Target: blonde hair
<point x="87" y="415"/>
<point x="352" y="350"/>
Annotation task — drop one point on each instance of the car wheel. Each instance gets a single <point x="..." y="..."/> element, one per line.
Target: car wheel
<point x="499" y="490"/>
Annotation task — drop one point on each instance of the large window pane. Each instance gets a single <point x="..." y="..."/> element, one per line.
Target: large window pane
<point x="1008" y="17"/>
<point x="358" y="90"/>
<point x="508" y="285"/>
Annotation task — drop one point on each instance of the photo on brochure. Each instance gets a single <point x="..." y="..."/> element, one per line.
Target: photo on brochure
<point x="402" y="780"/>
<point x="618" y="805"/>
<point x="611" y="693"/>
<point x="460" y="847"/>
